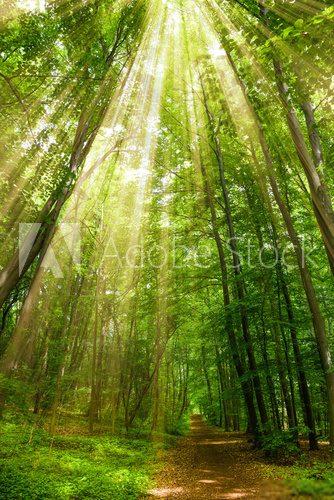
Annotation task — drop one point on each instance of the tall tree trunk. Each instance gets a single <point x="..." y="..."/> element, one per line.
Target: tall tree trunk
<point x="211" y="413"/>
<point x="222" y="389"/>
<point x="322" y="204"/>
<point x="237" y="268"/>
<point x="36" y="245"/>
<point x="270" y="382"/>
<point x="317" y="318"/>
<point x="313" y="135"/>
<point x="246" y="385"/>
<point x="92" y="404"/>
<point x="304" y="392"/>
<point x="283" y="381"/>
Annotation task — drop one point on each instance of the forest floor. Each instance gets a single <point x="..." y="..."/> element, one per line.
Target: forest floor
<point x="208" y="464"/>
<point x="72" y="464"/>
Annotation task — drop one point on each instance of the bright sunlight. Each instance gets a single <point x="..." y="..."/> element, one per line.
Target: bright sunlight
<point x="166" y="279"/>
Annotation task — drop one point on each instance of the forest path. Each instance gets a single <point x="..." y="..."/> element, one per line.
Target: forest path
<point x="209" y="464"/>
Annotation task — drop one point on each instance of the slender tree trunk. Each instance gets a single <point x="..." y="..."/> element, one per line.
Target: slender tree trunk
<point x="246" y="385"/>
<point x="156" y="413"/>
<point x="313" y="135"/>
<point x="317" y="318"/>
<point x="92" y="404"/>
<point x="237" y="269"/>
<point x="270" y="382"/>
<point x="222" y="388"/>
<point x="304" y="392"/>
<point x="55" y="404"/>
<point x="208" y="384"/>
<point x="283" y="382"/>
<point x="321" y="201"/>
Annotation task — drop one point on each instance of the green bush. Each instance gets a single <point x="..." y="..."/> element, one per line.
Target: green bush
<point x="180" y="427"/>
<point x="280" y="445"/>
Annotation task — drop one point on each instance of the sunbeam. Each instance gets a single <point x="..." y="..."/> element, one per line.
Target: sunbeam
<point x="166" y="281"/>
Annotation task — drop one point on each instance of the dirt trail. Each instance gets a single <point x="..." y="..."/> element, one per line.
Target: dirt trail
<point x="213" y="465"/>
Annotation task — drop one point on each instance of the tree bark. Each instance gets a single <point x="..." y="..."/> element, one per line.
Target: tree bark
<point x="317" y="318"/>
<point x="321" y="202"/>
<point x="246" y="385"/>
<point x="88" y="125"/>
<point x="237" y="268"/>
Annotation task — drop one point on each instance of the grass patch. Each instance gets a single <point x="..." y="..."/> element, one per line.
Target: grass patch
<point x="306" y="478"/>
<point x="33" y="466"/>
<point x="316" y="481"/>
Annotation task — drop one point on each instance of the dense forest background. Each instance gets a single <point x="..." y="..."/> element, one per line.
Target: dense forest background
<point x="167" y="227"/>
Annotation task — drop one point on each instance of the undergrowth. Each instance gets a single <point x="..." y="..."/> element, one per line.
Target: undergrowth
<point x="180" y="427"/>
<point x="315" y="480"/>
<point x="280" y="445"/>
<point x="308" y="477"/>
<point x="34" y="466"/>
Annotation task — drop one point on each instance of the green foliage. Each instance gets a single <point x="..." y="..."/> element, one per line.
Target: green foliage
<point x="180" y="427"/>
<point x="35" y="466"/>
<point x="307" y="478"/>
<point x="17" y="394"/>
<point x="317" y="488"/>
<point x="315" y="480"/>
<point x="280" y="445"/>
<point x="135" y="347"/>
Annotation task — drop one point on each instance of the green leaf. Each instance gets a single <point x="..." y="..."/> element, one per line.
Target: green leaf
<point x="299" y="23"/>
<point x="286" y="32"/>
